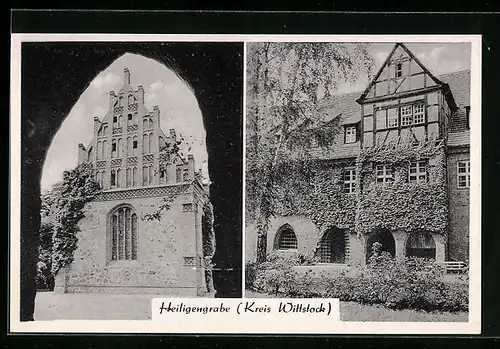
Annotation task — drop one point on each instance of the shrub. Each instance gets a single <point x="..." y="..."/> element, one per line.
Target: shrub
<point x="277" y="274"/>
<point x="404" y="283"/>
<point x="250" y="275"/>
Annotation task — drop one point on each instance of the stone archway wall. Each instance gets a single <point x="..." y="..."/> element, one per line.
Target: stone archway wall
<point x="54" y="75"/>
<point x="305" y="231"/>
<point x="401" y="238"/>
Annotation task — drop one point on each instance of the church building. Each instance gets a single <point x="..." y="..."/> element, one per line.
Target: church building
<point x="396" y="171"/>
<point x="144" y="233"/>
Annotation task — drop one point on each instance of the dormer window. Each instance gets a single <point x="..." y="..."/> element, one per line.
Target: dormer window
<point x="399" y="70"/>
<point x="350" y="134"/>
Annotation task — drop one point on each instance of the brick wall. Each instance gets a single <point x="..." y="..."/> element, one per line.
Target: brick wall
<point x="168" y="251"/>
<point x="458" y="237"/>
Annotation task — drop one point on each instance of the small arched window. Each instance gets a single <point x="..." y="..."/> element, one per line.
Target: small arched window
<point x="104" y="154"/>
<point x="123" y="233"/>
<point x="99" y="150"/>
<point x="287" y="240"/>
<point x="120" y="101"/>
<point x="130" y="99"/>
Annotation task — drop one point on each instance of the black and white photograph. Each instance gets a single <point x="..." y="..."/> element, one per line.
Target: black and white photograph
<point x="358" y="176"/>
<point x="131" y="176"/>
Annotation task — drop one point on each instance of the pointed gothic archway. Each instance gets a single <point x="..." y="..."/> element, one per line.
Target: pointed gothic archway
<point x="68" y="68"/>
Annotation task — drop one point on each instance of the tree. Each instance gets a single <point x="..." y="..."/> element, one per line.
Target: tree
<point x="285" y="83"/>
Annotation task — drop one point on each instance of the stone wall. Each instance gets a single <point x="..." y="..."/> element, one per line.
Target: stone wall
<point x="308" y="236"/>
<point x="458" y="236"/>
<point x="169" y="254"/>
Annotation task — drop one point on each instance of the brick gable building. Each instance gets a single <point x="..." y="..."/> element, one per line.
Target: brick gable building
<point x="121" y="249"/>
<point x="396" y="171"/>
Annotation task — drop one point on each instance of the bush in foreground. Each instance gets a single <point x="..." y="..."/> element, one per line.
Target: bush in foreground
<point x="403" y="283"/>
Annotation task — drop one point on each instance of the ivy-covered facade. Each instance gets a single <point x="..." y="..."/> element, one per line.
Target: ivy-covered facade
<point x="149" y="230"/>
<point x="397" y="171"/>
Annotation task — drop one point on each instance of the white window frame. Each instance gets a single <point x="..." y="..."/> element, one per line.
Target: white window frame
<point x="384" y="174"/>
<point x="420" y="170"/>
<point x="465" y="176"/>
<point x="406" y="115"/>
<point x="420" y="114"/>
<point x="350" y="134"/>
<point x="392" y="120"/>
<point x="349" y="180"/>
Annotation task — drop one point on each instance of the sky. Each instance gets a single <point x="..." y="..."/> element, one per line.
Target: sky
<point x="178" y="109"/>
<point x="439" y="58"/>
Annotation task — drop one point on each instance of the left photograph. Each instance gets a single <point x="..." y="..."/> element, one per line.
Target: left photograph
<point x="131" y="176"/>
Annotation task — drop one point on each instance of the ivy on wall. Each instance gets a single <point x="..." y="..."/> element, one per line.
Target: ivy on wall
<point x="315" y="189"/>
<point x="77" y="188"/>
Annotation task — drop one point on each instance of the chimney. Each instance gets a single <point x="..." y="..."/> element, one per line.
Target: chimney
<point x="97" y="125"/>
<point x="112" y="98"/>
<point x="126" y="76"/>
<point x="140" y="89"/>
<point x="81" y="153"/>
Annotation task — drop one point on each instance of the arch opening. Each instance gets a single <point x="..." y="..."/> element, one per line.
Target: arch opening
<point x="421" y="244"/>
<point x="333" y="246"/>
<point x="285" y="239"/>
<point x="385" y="238"/>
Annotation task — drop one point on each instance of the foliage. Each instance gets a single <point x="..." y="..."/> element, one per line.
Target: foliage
<point x="285" y="80"/>
<point x="77" y="188"/>
<point x="277" y="274"/>
<point x="208" y="230"/>
<point x="250" y="275"/>
<point x="402" y="205"/>
<point x="44" y="277"/>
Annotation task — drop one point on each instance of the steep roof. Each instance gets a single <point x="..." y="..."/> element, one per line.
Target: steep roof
<point x="346" y="107"/>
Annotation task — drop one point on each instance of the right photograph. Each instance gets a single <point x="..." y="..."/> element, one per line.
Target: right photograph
<point x="358" y="174"/>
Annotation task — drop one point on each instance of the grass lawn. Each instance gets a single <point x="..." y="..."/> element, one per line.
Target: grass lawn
<point x="85" y="306"/>
<point x="352" y="311"/>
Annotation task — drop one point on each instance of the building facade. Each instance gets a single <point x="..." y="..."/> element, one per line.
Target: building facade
<point x="145" y="231"/>
<point x="395" y="169"/>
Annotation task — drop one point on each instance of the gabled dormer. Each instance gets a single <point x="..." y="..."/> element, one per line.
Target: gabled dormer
<point x="404" y="102"/>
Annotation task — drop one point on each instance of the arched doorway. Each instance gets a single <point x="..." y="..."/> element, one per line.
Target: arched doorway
<point x="421" y="244"/>
<point x="285" y="239"/>
<point x="333" y="246"/>
<point x="385" y="238"/>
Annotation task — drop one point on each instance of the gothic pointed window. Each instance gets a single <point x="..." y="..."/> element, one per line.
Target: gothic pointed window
<point x="123" y="233"/>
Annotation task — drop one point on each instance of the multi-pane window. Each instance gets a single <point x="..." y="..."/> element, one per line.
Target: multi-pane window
<point x="123" y="229"/>
<point x="418" y="172"/>
<point x="392" y="117"/>
<point x="418" y="113"/>
<point x="381" y="119"/>
<point x="463" y="174"/>
<point x="350" y="134"/>
<point x="384" y="174"/>
<point x="406" y="115"/>
<point x="113" y="149"/>
<point x="399" y="70"/>
<point x="412" y="114"/>
<point x="287" y="240"/>
<point x="349" y="180"/>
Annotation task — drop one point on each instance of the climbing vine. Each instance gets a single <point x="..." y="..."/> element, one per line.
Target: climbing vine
<point x="77" y="188"/>
<point x="315" y="189"/>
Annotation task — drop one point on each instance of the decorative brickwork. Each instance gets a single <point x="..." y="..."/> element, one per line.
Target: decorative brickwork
<point x="100" y="164"/>
<point x="132" y="107"/>
<point x="132" y="160"/>
<point x="132" y="128"/>
<point x="116" y="162"/>
<point x="117" y="130"/>
<point x="148" y="158"/>
<point x="166" y="191"/>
